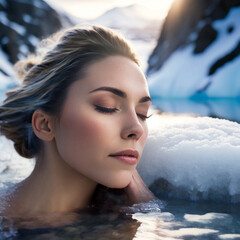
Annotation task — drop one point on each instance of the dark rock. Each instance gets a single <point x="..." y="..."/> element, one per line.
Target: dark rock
<point x="165" y="190"/>
<point x="206" y="36"/>
<point x="225" y="59"/>
<point x="3" y="72"/>
<point x="230" y="29"/>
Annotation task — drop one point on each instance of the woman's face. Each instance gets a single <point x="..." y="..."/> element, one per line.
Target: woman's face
<point x="102" y="129"/>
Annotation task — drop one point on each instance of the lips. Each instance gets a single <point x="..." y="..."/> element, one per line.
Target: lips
<point x="128" y="156"/>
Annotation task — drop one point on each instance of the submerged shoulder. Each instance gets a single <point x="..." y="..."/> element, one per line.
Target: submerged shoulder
<point x="9" y="203"/>
<point x="4" y="204"/>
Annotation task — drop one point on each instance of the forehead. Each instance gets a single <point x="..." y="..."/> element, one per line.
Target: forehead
<point x="115" y="71"/>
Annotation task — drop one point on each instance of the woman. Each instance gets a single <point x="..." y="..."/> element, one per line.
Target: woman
<point x="81" y="111"/>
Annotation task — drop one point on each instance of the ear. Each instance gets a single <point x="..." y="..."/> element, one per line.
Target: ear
<point x="42" y="125"/>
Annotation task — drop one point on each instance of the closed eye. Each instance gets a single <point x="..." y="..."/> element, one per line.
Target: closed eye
<point x="105" y="110"/>
<point x="143" y="117"/>
<point x="113" y="110"/>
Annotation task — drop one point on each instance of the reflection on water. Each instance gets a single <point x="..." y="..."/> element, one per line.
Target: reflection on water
<point x="186" y="220"/>
<point x="87" y="226"/>
<point x="227" y="108"/>
<point x="176" y="220"/>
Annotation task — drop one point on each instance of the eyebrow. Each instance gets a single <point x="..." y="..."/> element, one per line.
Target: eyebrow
<point x="120" y="93"/>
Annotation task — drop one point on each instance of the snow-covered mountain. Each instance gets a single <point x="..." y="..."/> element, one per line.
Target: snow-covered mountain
<point x="132" y="16"/>
<point x="134" y="21"/>
<point x="198" y="55"/>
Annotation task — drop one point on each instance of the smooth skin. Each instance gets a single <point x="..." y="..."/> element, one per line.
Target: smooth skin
<point x="104" y="113"/>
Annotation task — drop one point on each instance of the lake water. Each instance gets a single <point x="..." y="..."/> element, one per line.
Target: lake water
<point x="176" y="220"/>
<point x="167" y="218"/>
<point x="226" y="108"/>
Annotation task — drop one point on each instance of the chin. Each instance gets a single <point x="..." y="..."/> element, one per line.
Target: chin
<point x="120" y="181"/>
<point x="117" y="185"/>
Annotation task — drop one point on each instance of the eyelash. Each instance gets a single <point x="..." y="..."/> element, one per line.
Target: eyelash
<point x="113" y="110"/>
<point x="105" y="110"/>
<point x="143" y="117"/>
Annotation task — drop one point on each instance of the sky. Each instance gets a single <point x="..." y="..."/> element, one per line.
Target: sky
<point x="89" y="9"/>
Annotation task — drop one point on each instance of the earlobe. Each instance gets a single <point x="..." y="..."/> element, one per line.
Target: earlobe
<point x="42" y="126"/>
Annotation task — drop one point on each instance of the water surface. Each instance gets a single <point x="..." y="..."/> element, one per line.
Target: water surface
<point x="226" y="108"/>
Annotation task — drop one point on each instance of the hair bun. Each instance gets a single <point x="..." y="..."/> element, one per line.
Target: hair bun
<point x="22" y="148"/>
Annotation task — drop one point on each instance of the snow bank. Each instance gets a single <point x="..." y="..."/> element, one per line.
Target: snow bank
<point x="193" y="158"/>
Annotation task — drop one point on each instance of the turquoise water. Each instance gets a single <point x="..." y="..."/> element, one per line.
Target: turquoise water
<point x="226" y="108"/>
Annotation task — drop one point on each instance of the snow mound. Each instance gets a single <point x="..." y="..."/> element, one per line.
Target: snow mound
<point x="193" y="158"/>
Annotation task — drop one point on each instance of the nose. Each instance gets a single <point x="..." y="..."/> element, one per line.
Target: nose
<point x="132" y="128"/>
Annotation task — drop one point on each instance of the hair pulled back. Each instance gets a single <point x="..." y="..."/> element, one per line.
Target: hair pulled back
<point x="46" y="76"/>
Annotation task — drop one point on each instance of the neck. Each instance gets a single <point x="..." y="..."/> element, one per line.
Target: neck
<point x="54" y="186"/>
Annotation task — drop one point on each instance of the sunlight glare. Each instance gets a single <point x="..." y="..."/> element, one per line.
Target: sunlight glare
<point x="91" y="9"/>
<point x="159" y="9"/>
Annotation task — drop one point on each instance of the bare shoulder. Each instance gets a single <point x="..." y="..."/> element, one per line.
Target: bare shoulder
<point x="3" y="204"/>
<point x="8" y="202"/>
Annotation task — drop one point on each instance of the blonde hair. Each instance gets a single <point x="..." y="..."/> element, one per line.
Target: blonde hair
<point x="59" y="61"/>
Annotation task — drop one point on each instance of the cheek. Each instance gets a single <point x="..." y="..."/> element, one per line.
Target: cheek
<point x="78" y="134"/>
<point x="143" y="138"/>
<point x="82" y="127"/>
